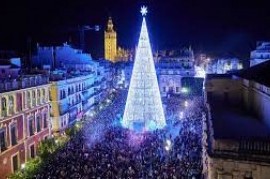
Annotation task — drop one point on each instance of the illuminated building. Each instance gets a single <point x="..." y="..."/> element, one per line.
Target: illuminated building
<point x="143" y="110"/>
<point x="224" y="65"/>
<point x="73" y="95"/>
<point x="172" y="67"/>
<point x="24" y="118"/>
<point x="260" y="54"/>
<point x="62" y="57"/>
<point x="110" y="42"/>
<point x="236" y="127"/>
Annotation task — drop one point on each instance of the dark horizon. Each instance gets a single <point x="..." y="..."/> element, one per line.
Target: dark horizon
<point x="229" y="27"/>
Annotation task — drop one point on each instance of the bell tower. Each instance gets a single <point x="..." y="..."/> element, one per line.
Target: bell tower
<point x="110" y="42"/>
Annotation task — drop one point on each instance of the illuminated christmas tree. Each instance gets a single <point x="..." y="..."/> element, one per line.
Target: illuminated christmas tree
<point x="143" y="109"/>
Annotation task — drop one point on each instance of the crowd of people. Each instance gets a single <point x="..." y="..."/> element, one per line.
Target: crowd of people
<point x="104" y="149"/>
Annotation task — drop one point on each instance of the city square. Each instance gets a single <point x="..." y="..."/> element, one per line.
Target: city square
<point x="135" y="90"/>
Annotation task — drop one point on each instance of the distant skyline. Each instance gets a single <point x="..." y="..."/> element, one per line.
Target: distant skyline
<point x="223" y="27"/>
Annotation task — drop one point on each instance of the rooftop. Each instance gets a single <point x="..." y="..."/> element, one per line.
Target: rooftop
<point x="259" y="73"/>
<point x="234" y="123"/>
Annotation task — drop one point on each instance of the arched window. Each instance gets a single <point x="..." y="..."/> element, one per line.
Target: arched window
<point x="4" y="107"/>
<point x="11" y="105"/>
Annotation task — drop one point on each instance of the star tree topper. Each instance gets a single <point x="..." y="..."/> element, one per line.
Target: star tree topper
<point x="144" y="10"/>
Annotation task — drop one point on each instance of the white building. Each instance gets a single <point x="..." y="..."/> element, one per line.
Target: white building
<point x="223" y="65"/>
<point x="260" y="54"/>
<point x="172" y="67"/>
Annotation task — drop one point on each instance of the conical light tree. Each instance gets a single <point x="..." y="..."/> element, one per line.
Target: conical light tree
<point x="143" y="106"/>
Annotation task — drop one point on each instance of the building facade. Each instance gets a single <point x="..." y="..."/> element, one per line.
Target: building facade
<point x="76" y="94"/>
<point x="224" y="65"/>
<point x="62" y="57"/>
<point x="24" y="120"/>
<point x="236" y="125"/>
<point x="110" y="42"/>
<point x="172" y="67"/>
<point x="260" y="54"/>
<point x="67" y="99"/>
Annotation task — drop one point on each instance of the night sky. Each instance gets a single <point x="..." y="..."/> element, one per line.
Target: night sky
<point x="217" y="27"/>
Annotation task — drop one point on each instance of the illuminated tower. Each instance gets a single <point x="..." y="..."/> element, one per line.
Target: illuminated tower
<point x="143" y="109"/>
<point x="110" y="42"/>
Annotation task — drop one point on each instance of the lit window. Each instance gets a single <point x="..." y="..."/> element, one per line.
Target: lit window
<point x="4" y="107"/>
<point x="28" y="99"/>
<point x="11" y="105"/>
<point x="38" y="96"/>
<point x="33" y="98"/>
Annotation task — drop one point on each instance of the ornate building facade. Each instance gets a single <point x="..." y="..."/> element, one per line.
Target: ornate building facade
<point x="24" y="120"/>
<point x="110" y="42"/>
<point x="67" y="98"/>
<point x="75" y="95"/>
<point x="172" y="67"/>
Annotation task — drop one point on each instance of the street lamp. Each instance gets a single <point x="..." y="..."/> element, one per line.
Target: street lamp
<point x="186" y="103"/>
<point x="184" y="90"/>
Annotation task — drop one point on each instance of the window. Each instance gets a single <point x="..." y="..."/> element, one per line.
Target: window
<point x="3" y="144"/>
<point x="73" y="90"/>
<point x="64" y="94"/>
<point x="32" y="151"/>
<point x="4" y="107"/>
<point x="164" y="89"/>
<point x="177" y="89"/>
<point x="38" y="96"/>
<point x="31" y="126"/>
<point x="15" y="163"/>
<point x="11" y="104"/>
<point x="45" y="124"/>
<point x="13" y="131"/>
<point x="38" y="123"/>
<point x="19" y="101"/>
<point x="28" y="99"/>
<point x="44" y="95"/>
<point x="33" y="98"/>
